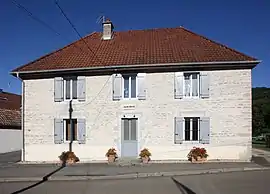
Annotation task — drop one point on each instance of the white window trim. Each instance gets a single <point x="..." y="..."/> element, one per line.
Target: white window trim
<point x="123" y="88"/>
<point x="64" y="131"/>
<point x="191" y="129"/>
<point x="198" y="85"/>
<point x="71" y="90"/>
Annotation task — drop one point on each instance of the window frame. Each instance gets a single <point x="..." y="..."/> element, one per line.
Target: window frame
<point x="71" y="88"/>
<point x="191" y="129"/>
<point x="190" y="78"/>
<point x="123" y="86"/>
<point x="64" y="130"/>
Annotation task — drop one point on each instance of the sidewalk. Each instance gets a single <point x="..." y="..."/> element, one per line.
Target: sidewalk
<point x="35" y="172"/>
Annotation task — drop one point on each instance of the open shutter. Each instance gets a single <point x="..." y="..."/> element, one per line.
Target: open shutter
<point x="178" y="85"/>
<point x="58" y="89"/>
<point x="117" y="86"/>
<point x="81" y="131"/>
<point x="58" y="131"/>
<point x="141" y="86"/>
<point x="178" y="130"/>
<point x="205" y="130"/>
<point x="204" y="85"/>
<point x="81" y="88"/>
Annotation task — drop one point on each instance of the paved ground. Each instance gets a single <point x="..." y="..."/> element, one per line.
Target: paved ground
<point x="261" y="153"/>
<point x="10" y="157"/>
<point x="226" y="183"/>
<point x="31" y="170"/>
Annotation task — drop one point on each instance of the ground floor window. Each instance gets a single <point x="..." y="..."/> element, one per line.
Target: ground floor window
<point x="192" y="128"/>
<point x="70" y="129"/>
<point x="189" y="129"/>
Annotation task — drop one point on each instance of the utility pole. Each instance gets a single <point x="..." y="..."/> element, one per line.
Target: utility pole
<point x="71" y="125"/>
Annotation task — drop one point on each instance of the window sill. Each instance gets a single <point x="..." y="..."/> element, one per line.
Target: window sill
<point x="129" y="99"/>
<point x="191" y="142"/>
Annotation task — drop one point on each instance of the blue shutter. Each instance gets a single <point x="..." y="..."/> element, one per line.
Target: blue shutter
<point x="117" y="87"/>
<point x="178" y="85"/>
<point x="81" y="131"/>
<point x="205" y="130"/>
<point x="58" y="131"/>
<point x="141" y="86"/>
<point x="81" y="88"/>
<point x="204" y="85"/>
<point x="178" y="130"/>
<point x="58" y="89"/>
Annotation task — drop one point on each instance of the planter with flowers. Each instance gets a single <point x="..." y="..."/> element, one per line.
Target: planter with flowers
<point x="111" y="155"/>
<point x="68" y="157"/>
<point x="145" y="155"/>
<point x="197" y="155"/>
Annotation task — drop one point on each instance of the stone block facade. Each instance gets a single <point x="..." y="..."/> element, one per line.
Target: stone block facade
<point x="228" y="107"/>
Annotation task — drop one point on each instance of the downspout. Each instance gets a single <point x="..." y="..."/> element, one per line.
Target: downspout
<point x="22" y="118"/>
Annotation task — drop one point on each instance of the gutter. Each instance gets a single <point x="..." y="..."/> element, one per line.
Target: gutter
<point x="22" y="118"/>
<point x="104" y="68"/>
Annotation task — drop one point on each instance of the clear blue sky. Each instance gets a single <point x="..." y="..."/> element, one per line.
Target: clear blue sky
<point x="242" y="25"/>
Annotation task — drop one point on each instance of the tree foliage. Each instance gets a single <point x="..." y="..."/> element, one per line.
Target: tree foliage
<point x="260" y="110"/>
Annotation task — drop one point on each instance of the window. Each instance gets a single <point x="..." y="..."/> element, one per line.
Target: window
<point x="130" y="86"/>
<point x="70" y="89"/>
<point x="191" y="84"/>
<point x="130" y="129"/>
<point x="70" y="131"/>
<point x="191" y="128"/>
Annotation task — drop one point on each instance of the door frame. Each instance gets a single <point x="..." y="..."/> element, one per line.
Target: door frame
<point x="129" y="116"/>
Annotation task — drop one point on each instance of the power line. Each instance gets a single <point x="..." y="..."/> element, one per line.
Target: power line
<point x="30" y="14"/>
<point x="74" y="28"/>
<point x="94" y="53"/>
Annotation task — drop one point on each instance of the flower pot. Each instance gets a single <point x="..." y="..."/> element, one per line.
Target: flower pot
<point x="198" y="160"/>
<point x="111" y="158"/>
<point x="145" y="159"/>
<point x="70" y="161"/>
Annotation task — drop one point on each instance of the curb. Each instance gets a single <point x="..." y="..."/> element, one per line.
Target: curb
<point x="133" y="175"/>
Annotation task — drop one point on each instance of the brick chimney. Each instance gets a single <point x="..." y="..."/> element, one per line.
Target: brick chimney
<point x="107" y="30"/>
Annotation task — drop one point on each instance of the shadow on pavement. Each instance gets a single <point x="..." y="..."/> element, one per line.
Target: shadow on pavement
<point x="184" y="189"/>
<point x="10" y="157"/>
<point x="260" y="161"/>
<point x="44" y="179"/>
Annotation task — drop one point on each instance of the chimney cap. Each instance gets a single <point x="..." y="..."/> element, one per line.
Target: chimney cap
<point x="107" y="21"/>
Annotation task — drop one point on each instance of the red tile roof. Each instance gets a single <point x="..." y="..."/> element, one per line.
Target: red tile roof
<point x="10" y="118"/>
<point x="10" y="114"/>
<point x="154" y="46"/>
<point x="10" y="101"/>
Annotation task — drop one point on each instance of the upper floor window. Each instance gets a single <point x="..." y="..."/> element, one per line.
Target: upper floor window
<point x="130" y="86"/>
<point x="191" y="84"/>
<point x="70" y="91"/>
<point x="68" y="88"/>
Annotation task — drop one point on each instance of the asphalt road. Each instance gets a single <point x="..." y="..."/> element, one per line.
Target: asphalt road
<point x="225" y="183"/>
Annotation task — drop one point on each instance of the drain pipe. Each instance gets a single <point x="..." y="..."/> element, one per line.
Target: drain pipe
<point x="22" y="118"/>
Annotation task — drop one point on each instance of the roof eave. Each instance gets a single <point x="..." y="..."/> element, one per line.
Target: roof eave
<point x="248" y="64"/>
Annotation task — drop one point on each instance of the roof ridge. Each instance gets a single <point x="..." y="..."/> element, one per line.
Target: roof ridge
<point x="53" y="52"/>
<point x="218" y="43"/>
